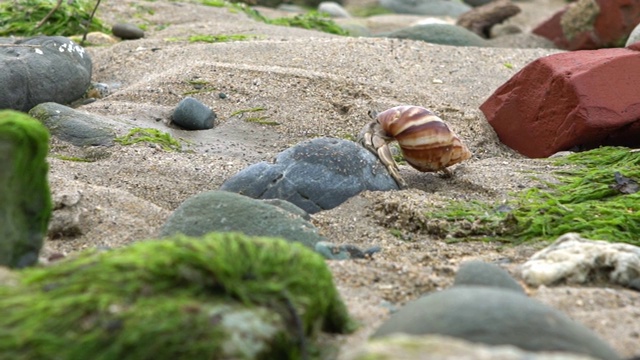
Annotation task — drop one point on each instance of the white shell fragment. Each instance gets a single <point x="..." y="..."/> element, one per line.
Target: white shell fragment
<point x="573" y="259"/>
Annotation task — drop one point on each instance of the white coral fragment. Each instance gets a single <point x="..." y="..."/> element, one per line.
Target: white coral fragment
<point x="573" y="259"/>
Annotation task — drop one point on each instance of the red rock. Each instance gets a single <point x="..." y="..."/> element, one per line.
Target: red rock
<point x="591" y="24"/>
<point x="576" y="99"/>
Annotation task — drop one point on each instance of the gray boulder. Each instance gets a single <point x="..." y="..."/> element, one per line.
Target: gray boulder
<point x="443" y="34"/>
<point x="73" y="126"/>
<point x="495" y="316"/>
<point x="191" y="114"/>
<point x="315" y="175"/>
<point x="451" y="8"/>
<point x="43" y="69"/>
<point x="25" y="198"/>
<point x="222" y="211"/>
<point x="437" y="347"/>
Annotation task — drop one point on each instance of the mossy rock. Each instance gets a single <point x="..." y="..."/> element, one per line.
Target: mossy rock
<point x="25" y="198"/>
<point x="222" y="296"/>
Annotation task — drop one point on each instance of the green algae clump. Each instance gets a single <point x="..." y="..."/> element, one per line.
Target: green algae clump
<point x="25" y="198"/>
<point x="152" y="136"/>
<point x="585" y="199"/>
<point x="221" y="296"/>
<point x="21" y="17"/>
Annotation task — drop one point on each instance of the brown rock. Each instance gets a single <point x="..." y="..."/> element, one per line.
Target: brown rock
<point x="591" y="24"/>
<point x="578" y="99"/>
<point x="481" y="19"/>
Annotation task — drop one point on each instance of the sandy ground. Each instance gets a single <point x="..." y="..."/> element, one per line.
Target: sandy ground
<point x="312" y="84"/>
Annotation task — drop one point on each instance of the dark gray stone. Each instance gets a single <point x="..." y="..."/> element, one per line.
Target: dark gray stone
<point x="443" y="34"/>
<point x="222" y="211"/>
<point x="451" y="8"/>
<point x="289" y="207"/>
<point x="495" y="316"/>
<point x="315" y="175"/>
<point x="73" y="126"/>
<point x="43" y="69"/>
<point x="476" y="3"/>
<point x="484" y="274"/>
<point x="634" y="284"/>
<point x="127" y="31"/>
<point x="191" y="114"/>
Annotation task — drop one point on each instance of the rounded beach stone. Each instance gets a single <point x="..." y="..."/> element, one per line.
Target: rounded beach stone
<point x="315" y="175"/>
<point x="191" y="114"/>
<point x="222" y="211"/>
<point x="43" y="69"/>
<point x="25" y="198"/>
<point x="480" y="273"/>
<point x="475" y="3"/>
<point x="73" y="126"/>
<point x="127" y="31"/>
<point x="426" y="7"/>
<point x="431" y="347"/>
<point x="333" y="9"/>
<point x="444" y="34"/>
<point x="496" y="317"/>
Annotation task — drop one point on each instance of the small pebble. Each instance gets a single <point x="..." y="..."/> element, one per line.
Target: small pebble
<point x="334" y="9"/>
<point x="127" y="31"/>
<point x="191" y="114"/>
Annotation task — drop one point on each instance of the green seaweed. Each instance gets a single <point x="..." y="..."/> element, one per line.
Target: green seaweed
<point x="242" y="111"/>
<point x="220" y="38"/>
<point x="153" y="136"/>
<point x="219" y="296"/>
<point x="311" y="20"/>
<point x="20" y="18"/>
<point x="72" y="158"/>
<point x="262" y="120"/>
<point x="25" y="198"/>
<point x="199" y="86"/>
<point x="214" y="38"/>
<point x="583" y="200"/>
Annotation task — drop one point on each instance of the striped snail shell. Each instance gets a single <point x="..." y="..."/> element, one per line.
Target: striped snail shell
<point x="427" y="142"/>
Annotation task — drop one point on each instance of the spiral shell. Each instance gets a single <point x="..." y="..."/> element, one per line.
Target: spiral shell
<point x="427" y="142"/>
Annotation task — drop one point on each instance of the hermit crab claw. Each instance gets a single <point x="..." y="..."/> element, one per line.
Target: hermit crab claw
<point x="427" y="142"/>
<point x="373" y="138"/>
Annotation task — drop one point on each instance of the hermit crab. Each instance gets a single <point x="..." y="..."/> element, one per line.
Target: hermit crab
<point x="427" y="143"/>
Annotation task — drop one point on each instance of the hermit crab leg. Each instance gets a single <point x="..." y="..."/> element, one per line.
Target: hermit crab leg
<point x="374" y="139"/>
<point x="427" y="143"/>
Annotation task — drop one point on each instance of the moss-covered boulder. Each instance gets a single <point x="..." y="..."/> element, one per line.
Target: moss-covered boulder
<point x="25" y="199"/>
<point x="222" y="296"/>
